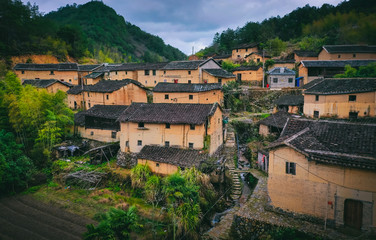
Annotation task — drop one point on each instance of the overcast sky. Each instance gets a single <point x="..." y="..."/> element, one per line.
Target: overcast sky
<point x="187" y="23"/>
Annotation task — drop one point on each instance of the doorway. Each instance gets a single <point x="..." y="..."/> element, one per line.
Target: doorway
<point x="353" y="213"/>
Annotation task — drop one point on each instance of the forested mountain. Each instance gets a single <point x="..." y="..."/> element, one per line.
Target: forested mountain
<point x="309" y="27"/>
<point x="91" y="30"/>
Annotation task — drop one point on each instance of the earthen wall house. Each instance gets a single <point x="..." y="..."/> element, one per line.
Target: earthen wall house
<point x="347" y="52"/>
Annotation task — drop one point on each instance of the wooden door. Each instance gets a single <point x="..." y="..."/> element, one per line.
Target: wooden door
<point x="353" y="213"/>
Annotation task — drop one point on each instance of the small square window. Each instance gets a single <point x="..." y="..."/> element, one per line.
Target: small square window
<point x="89" y="105"/>
<point x="189" y="72"/>
<point x="126" y="73"/>
<point x="115" y="72"/>
<point x="141" y="125"/>
<point x="316" y="114"/>
<point x="352" y="98"/>
<point x="192" y="127"/>
<point x="107" y="96"/>
<point x="127" y="144"/>
<point x="157" y="164"/>
<point x="190" y="97"/>
<point x="189" y="81"/>
<point x="291" y="168"/>
<point x="275" y="80"/>
<point x="190" y="145"/>
<point x="164" y="72"/>
<point x="167" y="144"/>
<point x="168" y="125"/>
<point x="166" y="96"/>
<point x="290" y="80"/>
<point x="147" y="72"/>
<point x="219" y="80"/>
<point x="139" y="143"/>
<point x="52" y="73"/>
<point x="154" y="72"/>
<point x="339" y="55"/>
<point x="354" y="55"/>
<point x="113" y="134"/>
<point x="70" y="80"/>
<point x="91" y="133"/>
<point x="317" y="98"/>
<point x="155" y="82"/>
<point x="23" y="72"/>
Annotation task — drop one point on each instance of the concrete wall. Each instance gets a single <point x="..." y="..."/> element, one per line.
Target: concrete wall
<point x="159" y="168"/>
<point x="283" y="81"/>
<point x="98" y="134"/>
<point x="183" y="97"/>
<point x="66" y="76"/>
<point x="319" y="189"/>
<point x="340" y="106"/>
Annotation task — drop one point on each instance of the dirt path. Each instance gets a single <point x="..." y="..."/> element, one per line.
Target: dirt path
<point x="23" y="217"/>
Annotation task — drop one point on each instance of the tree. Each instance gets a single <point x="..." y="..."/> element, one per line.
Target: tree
<point x="139" y="175"/>
<point x="115" y="224"/>
<point x="153" y="190"/>
<point x="362" y="72"/>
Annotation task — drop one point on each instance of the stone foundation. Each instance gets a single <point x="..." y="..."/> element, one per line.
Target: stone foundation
<point x="126" y="160"/>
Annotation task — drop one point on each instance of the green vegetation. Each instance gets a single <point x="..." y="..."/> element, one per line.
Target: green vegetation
<point x="308" y="28"/>
<point x="362" y="72"/>
<point x="92" y="30"/>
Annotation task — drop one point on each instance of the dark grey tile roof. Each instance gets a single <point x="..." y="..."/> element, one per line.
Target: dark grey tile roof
<point x="139" y="66"/>
<point x="281" y="71"/>
<point x="284" y="60"/>
<point x="222" y="56"/>
<point x="219" y="73"/>
<point x="277" y="119"/>
<point x="106" y="111"/>
<point x="87" y="67"/>
<point x="290" y="100"/>
<point x="79" y="119"/>
<point x="247" y="68"/>
<point x="183" y="65"/>
<point x="350" y="48"/>
<point x="336" y="64"/>
<point x="332" y="86"/>
<point x="186" y="87"/>
<point x="302" y="53"/>
<point x="246" y="45"/>
<point x="104" y="86"/>
<point x="47" y="67"/>
<point x="43" y="83"/>
<point x="173" y="113"/>
<point x="311" y="83"/>
<point x="267" y="55"/>
<point x="94" y="74"/>
<point x="332" y="142"/>
<point x="185" y="158"/>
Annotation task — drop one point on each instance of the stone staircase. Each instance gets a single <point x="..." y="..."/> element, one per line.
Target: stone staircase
<point x="236" y="187"/>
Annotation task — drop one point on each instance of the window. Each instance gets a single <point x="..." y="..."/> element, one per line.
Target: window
<point x="166" y="96"/>
<point x="190" y="145"/>
<point x="316" y="114"/>
<point x="189" y="81"/>
<point x="291" y="168"/>
<point x="353" y="115"/>
<point x="141" y="125"/>
<point x="139" y="143"/>
<point x="246" y="49"/>
<point x="88" y="94"/>
<point x="168" y="125"/>
<point x="219" y="120"/>
<point x="147" y="72"/>
<point x="146" y="81"/>
<point x="23" y="72"/>
<point x="70" y="80"/>
<point x="237" y="50"/>
<point x="91" y="133"/>
<point x="219" y="80"/>
<point x="164" y="72"/>
<point x="167" y="143"/>
<point x="113" y="134"/>
<point x="275" y="80"/>
<point x="115" y="72"/>
<point x="352" y="98"/>
<point x="192" y="127"/>
<point x="317" y="98"/>
<point x="190" y="97"/>
<point x="154" y="72"/>
<point x="238" y="56"/>
<point x="52" y="73"/>
<point x="126" y="73"/>
<point x="290" y="80"/>
<point x="258" y="60"/>
<point x="157" y="164"/>
<point x="127" y="144"/>
<point x="155" y="82"/>
<point x="339" y="55"/>
<point x="189" y="72"/>
<point x="354" y="55"/>
<point x="89" y="105"/>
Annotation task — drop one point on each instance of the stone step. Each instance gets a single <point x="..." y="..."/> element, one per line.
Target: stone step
<point x="237" y="193"/>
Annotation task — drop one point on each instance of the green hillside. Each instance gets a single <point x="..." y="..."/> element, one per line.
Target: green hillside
<point x="91" y="30"/>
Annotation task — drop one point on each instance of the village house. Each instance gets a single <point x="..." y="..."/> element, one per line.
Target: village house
<point x="167" y="160"/>
<point x="206" y="93"/>
<point x="300" y="55"/>
<point x="341" y="97"/>
<point x="99" y="123"/>
<point x="107" y="92"/>
<point x="221" y="58"/>
<point x="65" y="72"/>
<point x="263" y="160"/>
<point x="51" y="85"/>
<point x="251" y="75"/>
<point x="347" y="52"/>
<point x="188" y="126"/>
<point x="257" y="57"/>
<point x="193" y="72"/>
<point x="281" y="78"/>
<point x="239" y="53"/>
<point x="217" y="76"/>
<point x="327" y="170"/>
<point x="310" y="70"/>
<point x="84" y="70"/>
<point x="289" y="103"/>
<point x="274" y="123"/>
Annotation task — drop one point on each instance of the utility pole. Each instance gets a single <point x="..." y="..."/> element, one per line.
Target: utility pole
<point x="263" y="68"/>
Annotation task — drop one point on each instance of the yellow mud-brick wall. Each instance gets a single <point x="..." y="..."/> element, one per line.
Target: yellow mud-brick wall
<point x="75" y="98"/>
<point x="207" y="78"/>
<point x="150" y="80"/>
<point x="308" y="191"/>
<point x="242" y="52"/>
<point x="183" y="76"/>
<point x="66" y="76"/>
<point x="340" y="106"/>
<point x="120" y="75"/>
<point x="299" y="59"/>
<point x="257" y="58"/>
<point x="179" y="135"/>
<point x="183" y="97"/>
<point x="324" y="55"/>
<point x="253" y="77"/>
<point x="161" y="168"/>
<point x="264" y="130"/>
<point x="287" y="65"/>
<point x="98" y="134"/>
<point x="303" y="72"/>
<point x="215" y="131"/>
<point x="56" y="87"/>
